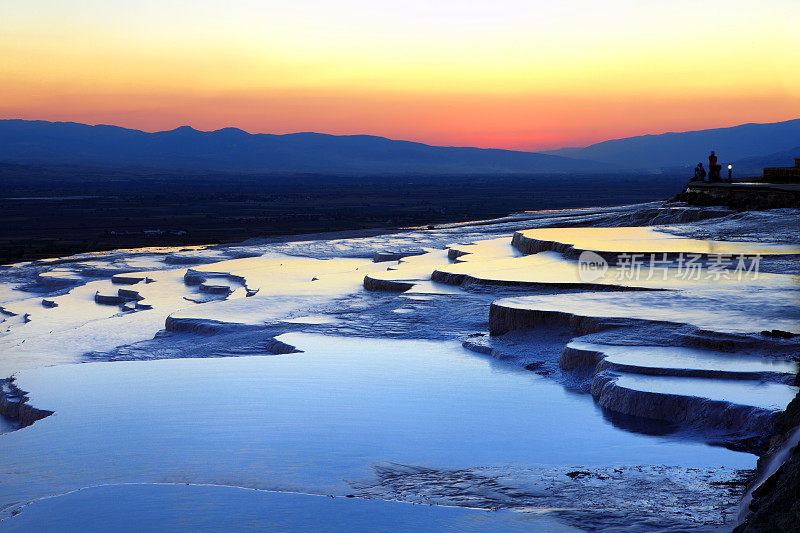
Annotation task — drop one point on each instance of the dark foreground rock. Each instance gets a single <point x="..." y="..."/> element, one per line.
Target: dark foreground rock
<point x="775" y="506"/>
<point x="14" y="405"/>
<point x="749" y="196"/>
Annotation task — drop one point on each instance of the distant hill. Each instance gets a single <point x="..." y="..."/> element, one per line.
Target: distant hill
<point x="753" y="165"/>
<point x="688" y="148"/>
<point x="234" y="150"/>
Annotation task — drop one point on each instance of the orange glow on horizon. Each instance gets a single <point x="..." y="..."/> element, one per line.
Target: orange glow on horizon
<point x="504" y="75"/>
<point x="519" y="123"/>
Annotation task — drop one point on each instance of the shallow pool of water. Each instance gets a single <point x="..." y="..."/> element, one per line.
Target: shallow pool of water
<point x="312" y="421"/>
<point x="690" y="358"/>
<point x="168" y="508"/>
<point x="647" y="239"/>
<point x="758" y="394"/>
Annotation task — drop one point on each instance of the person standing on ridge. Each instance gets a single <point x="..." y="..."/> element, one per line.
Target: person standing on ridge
<point x="713" y="170"/>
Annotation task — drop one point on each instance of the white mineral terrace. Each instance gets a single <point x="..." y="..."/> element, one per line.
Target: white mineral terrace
<point x="678" y="357"/>
<point x="271" y="379"/>
<point x="648" y="240"/>
<point x="752" y="393"/>
<point x="740" y="312"/>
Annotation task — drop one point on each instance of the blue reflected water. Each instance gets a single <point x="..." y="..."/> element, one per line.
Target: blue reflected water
<point x="310" y="421"/>
<point x="6" y="424"/>
<point x="173" y="508"/>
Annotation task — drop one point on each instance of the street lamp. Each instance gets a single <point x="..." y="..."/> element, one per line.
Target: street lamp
<point x="730" y="173"/>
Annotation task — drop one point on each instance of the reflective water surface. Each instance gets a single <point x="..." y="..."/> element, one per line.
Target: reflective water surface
<point x="174" y="508"/>
<point x="309" y="421"/>
<point x="646" y="239"/>
<point x="383" y="402"/>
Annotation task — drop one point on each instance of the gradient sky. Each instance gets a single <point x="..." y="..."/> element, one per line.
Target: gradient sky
<point x="511" y="74"/>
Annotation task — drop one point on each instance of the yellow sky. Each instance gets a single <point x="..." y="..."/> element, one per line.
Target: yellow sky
<point x="505" y="73"/>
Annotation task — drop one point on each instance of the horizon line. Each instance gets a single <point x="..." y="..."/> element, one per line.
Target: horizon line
<point x="545" y="152"/>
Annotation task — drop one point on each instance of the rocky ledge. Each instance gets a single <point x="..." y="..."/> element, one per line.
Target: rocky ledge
<point x="703" y="367"/>
<point x="774" y="498"/>
<point x="14" y="404"/>
<point x="374" y="283"/>
<point x="740" y="423"/>
<point x="467" y="280"/>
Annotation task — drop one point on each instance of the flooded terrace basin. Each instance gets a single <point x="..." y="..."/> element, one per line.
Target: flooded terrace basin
<point x="711" y="309"/>
<point x="322" y="422"/>
<point x="772" y="396"/>
<point x="639" y="240"/>
<point x="180" y="507"/>
<point x="681" y="357"/>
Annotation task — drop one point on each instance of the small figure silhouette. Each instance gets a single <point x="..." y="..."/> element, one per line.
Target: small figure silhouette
<point x="713" y="167"/>
<point x="699" y="172"/>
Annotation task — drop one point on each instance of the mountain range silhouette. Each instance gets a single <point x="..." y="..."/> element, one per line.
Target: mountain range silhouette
<point x="235" y="150"/>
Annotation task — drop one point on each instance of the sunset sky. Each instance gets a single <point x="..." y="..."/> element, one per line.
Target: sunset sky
<point x="510" y="74"/>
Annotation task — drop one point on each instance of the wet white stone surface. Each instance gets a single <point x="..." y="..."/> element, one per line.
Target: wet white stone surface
<point x="379" y="400"/>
